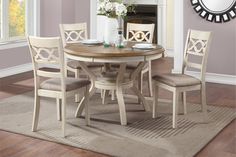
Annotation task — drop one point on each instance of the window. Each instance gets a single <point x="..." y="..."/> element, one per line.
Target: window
<point x="17" y="19"/>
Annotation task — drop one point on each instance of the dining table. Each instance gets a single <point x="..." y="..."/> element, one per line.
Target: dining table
<point x="111" y="79"/>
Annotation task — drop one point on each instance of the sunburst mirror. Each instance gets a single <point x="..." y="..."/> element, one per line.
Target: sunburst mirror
<point x="215" y="10"/>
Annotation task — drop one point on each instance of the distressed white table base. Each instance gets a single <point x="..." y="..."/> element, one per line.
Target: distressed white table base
<point x="118" y="84"/>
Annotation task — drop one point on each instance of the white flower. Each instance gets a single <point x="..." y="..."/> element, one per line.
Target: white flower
<point x="121" y="10"/>
<point x="101" y="8"/>
<point x="109" y="6"/>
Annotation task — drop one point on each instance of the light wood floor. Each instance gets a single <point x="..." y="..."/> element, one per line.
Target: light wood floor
<point x="14" y="145"/>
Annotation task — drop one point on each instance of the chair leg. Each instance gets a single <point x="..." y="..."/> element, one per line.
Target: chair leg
<point x="58" y="109"/>
<point x="140" y="87"/>
<point x="175" y="108"/>
<point x="77" y="73"/>
<point x="87" y="115"/>
<point x="102" y="93"/>
<point x="155" y="102"/>
<point x="105" y="94"/>
<point x="113" y="95"/>
<point x="204" y="104"/>
<point x="63" y="115"/>
<point x="184" y="103"/>
<point x="36" y="112"/>
<point x="66" y="72"/>
<point x="141" y="82"/>
<point x="150" y="80"/>
<point x="77" y="96"/>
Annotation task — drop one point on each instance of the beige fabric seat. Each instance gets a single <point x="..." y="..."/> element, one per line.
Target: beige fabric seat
<point x="130" y="66"/>
<point x="176" y="80"/>
<point x="48" y="52"/>
<point x="70" y="84"/>
<point x="197" y="45"/>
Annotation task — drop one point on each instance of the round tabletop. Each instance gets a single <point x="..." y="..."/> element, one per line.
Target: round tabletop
<point x="98" y="52"/>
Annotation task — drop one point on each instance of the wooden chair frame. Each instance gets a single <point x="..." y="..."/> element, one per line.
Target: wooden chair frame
<point x="194" y="39"/>
<point x="79" y="30"/>
<point x="142" y="33"/>
<point x="55" y="57"/>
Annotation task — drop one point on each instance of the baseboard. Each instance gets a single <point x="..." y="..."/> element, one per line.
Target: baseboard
<point x="170" y="52"/>
<point x="216" y="78"/>
<point x="16" y="70"/>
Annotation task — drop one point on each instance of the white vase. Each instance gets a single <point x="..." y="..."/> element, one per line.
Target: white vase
<point x="111" y="32"/>
<point x="100" y="27"/>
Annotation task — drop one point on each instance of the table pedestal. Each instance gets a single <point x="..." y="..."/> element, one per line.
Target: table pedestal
<point x="117" y="82"/>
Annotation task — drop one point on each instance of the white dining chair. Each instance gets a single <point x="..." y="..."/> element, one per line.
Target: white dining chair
<point x="141" y="33"/>
<point x="72" y="34"/>
<point x="197" y="44"/>
<point x="47" y="52"/>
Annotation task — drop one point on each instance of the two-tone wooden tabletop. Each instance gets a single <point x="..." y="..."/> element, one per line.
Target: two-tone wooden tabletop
<point x="98" y="52"/>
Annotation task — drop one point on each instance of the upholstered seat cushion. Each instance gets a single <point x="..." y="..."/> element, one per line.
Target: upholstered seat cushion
<point x="130" y="66"/>
<point x="75" y="65"/>
<point x="71" y="84"/>
<point x="176" y="80"/>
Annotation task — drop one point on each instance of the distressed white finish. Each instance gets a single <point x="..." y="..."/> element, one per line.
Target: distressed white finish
<point x="96" y="23"/>
<point x="48" y="51"/>
<point x="73" y="33"/>
<point x="142" y="33"/>
<point x="117" y="82"/>
<point x="197" y="44"/>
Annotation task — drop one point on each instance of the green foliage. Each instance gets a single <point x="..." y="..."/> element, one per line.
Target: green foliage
<point x="16" y="18"/>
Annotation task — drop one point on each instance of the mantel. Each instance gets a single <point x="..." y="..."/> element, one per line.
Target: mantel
<point x="147" y="2"/>
<point x="161" y="18"/>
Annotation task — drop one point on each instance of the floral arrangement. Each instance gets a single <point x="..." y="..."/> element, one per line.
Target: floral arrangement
<point x="113" y="8"/>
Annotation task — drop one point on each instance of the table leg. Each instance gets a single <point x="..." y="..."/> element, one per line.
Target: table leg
<point x="84" y="101"/>
<point x="92" y="90"/>
<point x="136" y="73"/>
<point x="119" y="94"/>
<point x="141" y="97"/>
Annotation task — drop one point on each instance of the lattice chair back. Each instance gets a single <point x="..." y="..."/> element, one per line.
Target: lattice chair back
<point x="73" y="33"/>
<point x="197" y="44"/>
<point x="46" y="52"/>
<point x="140" y="32"/>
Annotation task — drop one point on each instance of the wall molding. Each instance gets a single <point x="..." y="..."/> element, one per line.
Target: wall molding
<point x="178" y="35"/>
<point x="16" y="70"/>
<point x="215" y="78"/>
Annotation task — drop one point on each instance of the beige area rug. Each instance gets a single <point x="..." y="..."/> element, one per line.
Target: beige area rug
<point x="142" y="137"/>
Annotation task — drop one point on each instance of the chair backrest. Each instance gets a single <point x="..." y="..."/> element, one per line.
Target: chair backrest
<point x="73" y="33"/>
<point x="47" y="52"/>
<point x="197" y="44"/>
<point x="140" y="32"/>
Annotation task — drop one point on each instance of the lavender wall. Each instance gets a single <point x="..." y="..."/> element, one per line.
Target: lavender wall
<point x="82" y="11"/>
<point x="222" y="55"/>
<point x="53" y="12"/>
<point x="50" y="17"/>
<point x="14" y="57"/>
